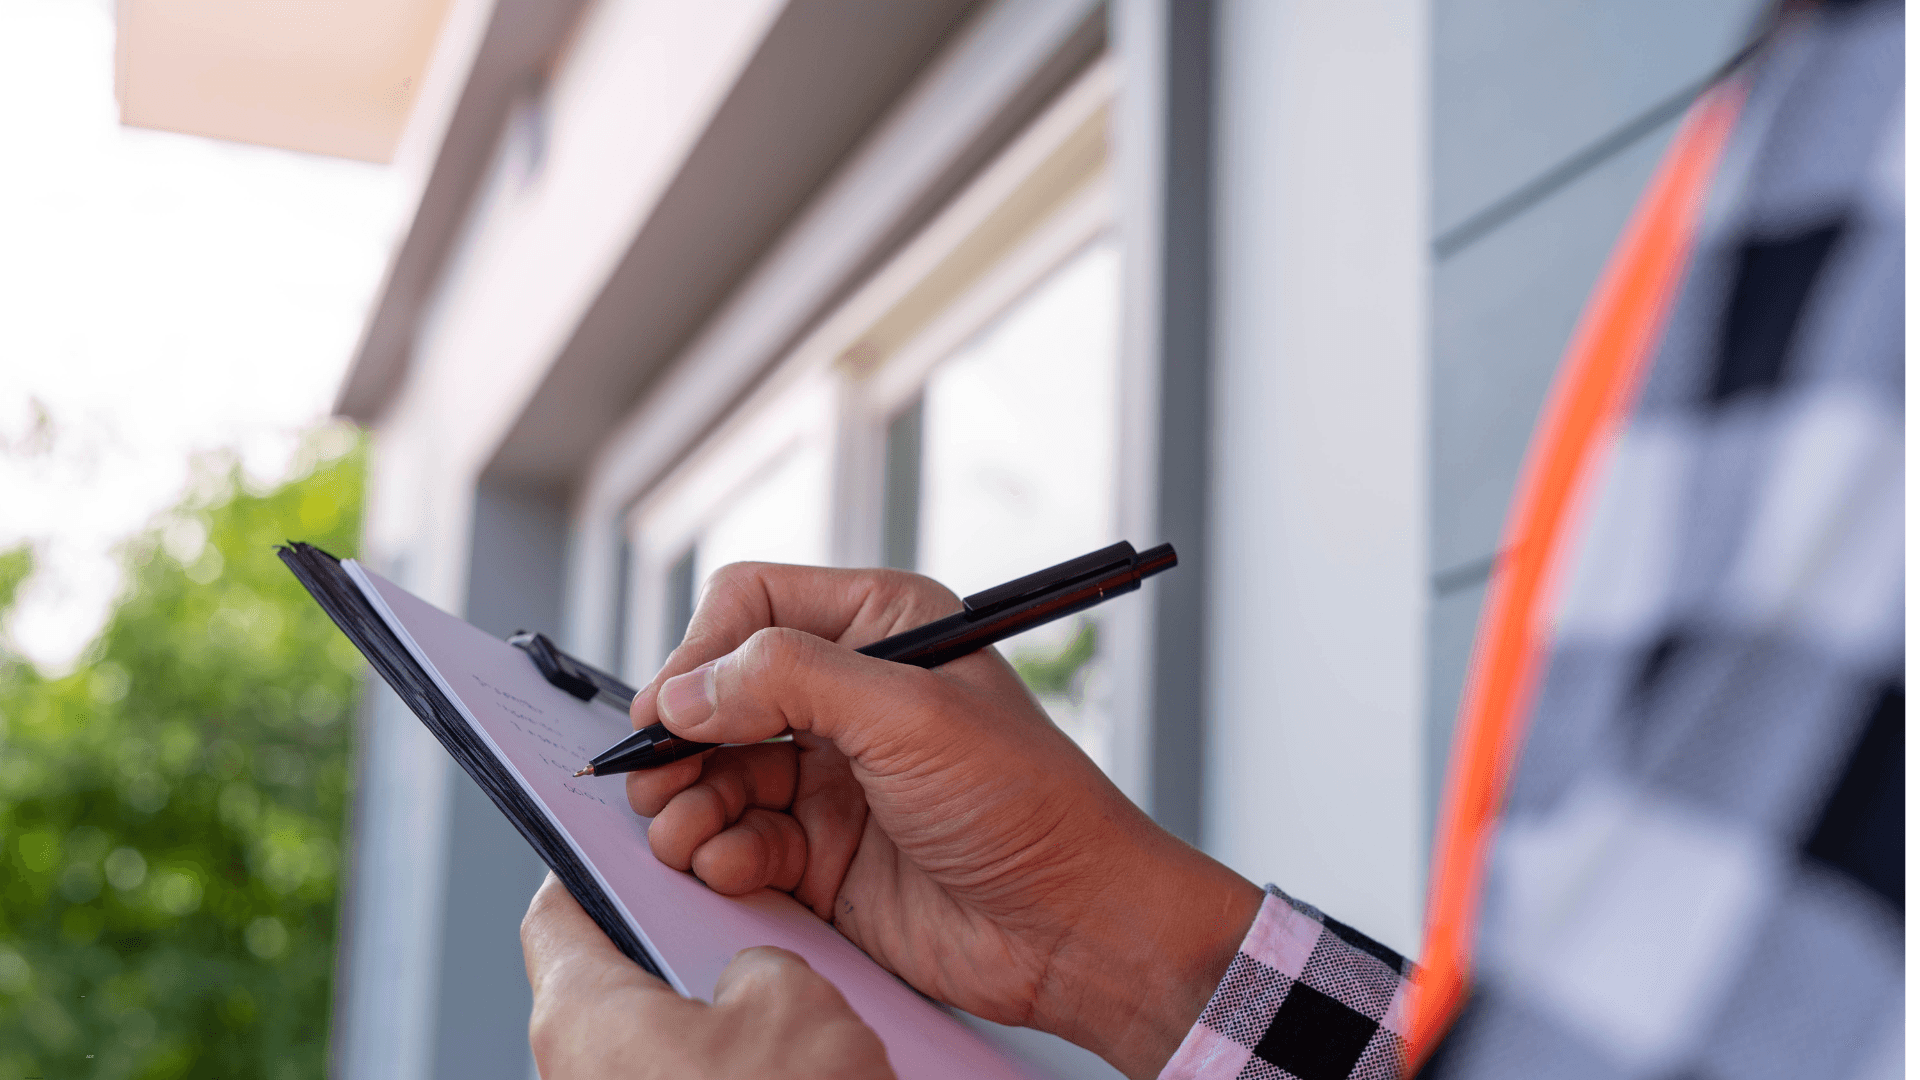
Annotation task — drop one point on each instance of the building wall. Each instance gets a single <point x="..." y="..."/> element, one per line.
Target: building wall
<point x="1342" y="373"/>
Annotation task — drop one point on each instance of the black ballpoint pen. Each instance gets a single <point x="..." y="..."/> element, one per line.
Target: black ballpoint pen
<point x="984" y="618"/>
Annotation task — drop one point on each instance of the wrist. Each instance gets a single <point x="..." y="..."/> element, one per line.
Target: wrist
<point x="1140" y="967"/>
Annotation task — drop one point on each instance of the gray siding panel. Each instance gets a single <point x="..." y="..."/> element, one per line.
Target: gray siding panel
<point x="483" y="1000"/>
<point x="1451" y="622"/>
<point x="1502" y="313"/>
<point x="1520" y="86"/>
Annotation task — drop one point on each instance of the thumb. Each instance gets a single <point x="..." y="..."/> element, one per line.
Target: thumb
<point x="783" y="680"/>
<point x="768" y="971"/>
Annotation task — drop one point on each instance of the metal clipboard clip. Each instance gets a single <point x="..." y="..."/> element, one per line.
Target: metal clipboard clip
<point x="575" y="676"/>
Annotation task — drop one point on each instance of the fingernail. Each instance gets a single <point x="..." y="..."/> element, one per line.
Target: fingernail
<point x="686" y="700"/>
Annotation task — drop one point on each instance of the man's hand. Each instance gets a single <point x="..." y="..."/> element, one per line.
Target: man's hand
<point x="597" y="1016"/>
<point x="938" y="818"/>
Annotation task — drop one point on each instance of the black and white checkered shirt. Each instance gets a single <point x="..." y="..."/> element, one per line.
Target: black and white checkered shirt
<point x="1700" y="870"/>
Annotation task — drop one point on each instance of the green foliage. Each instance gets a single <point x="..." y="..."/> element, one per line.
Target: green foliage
<point x="171" y="812"/>
<point x="15" y="566"/>
<point x="1058" y="674"/>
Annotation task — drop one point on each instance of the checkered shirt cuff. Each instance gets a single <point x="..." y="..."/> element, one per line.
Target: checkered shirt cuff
<point x="1306" y="998"/>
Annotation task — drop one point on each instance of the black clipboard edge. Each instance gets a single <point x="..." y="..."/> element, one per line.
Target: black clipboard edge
<point x="341" y="599"/>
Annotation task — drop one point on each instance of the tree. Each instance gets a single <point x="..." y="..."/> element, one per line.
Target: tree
<point x="172" y="812"/>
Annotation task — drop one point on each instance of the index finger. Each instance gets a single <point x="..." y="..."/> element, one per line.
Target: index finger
<point x="850" y="607"/>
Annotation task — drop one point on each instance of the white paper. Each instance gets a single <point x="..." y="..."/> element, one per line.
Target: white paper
<point x="543" y="734"/>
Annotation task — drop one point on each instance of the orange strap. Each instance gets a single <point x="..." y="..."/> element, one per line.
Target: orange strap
<point x="1590" y="396"/>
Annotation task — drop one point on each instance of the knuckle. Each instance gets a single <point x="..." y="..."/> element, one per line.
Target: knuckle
<point x="542" y="1034"/>
<point x="535" y="916"/>
<point x="547" y="1025"/>
<point x="730" y="576"/>
<point x="768" y="842"/>
<point x="919" y="589"/>
<point x="730" y="788"/>
<point x="705" y="806"/>
<point x="732" y="580"/>
<point x="779" y="971"/>
<point x="894" y="600"/>
<point x="775" y="652"/>
<point x="669" y="842"/>
<point x="723" y="604"/>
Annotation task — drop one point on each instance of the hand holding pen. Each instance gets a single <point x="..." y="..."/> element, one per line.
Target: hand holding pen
<point x="936" y="816"/>
<point x="983" y="619"/>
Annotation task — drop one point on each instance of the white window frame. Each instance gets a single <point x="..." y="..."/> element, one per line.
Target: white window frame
<point x="1045" y="198"/>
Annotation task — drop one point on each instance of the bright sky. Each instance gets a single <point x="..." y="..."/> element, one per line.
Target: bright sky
<point x="160" y="296"/>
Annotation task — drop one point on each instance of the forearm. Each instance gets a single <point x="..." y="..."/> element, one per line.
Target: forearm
<point x="1143" y="962"/>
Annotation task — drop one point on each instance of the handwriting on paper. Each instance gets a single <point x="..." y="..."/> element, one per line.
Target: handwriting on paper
<point x="530" y="720"/>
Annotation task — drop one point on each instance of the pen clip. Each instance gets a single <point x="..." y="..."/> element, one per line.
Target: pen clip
<point x="1020" y="590"/>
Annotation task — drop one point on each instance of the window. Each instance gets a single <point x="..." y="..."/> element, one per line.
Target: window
<point x="1017" y="465"/>
<point x="956" y="415"/>
<point x="759" y="488"/>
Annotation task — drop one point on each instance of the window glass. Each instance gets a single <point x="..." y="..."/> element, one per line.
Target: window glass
<point x="1017" y="466"/>
<point x="779" y="516"/>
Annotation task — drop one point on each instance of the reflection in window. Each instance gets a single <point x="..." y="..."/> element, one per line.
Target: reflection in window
<point x="1017" y="467"/>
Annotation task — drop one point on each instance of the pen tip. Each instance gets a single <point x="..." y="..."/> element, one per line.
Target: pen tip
<point x="588" y="771"/>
